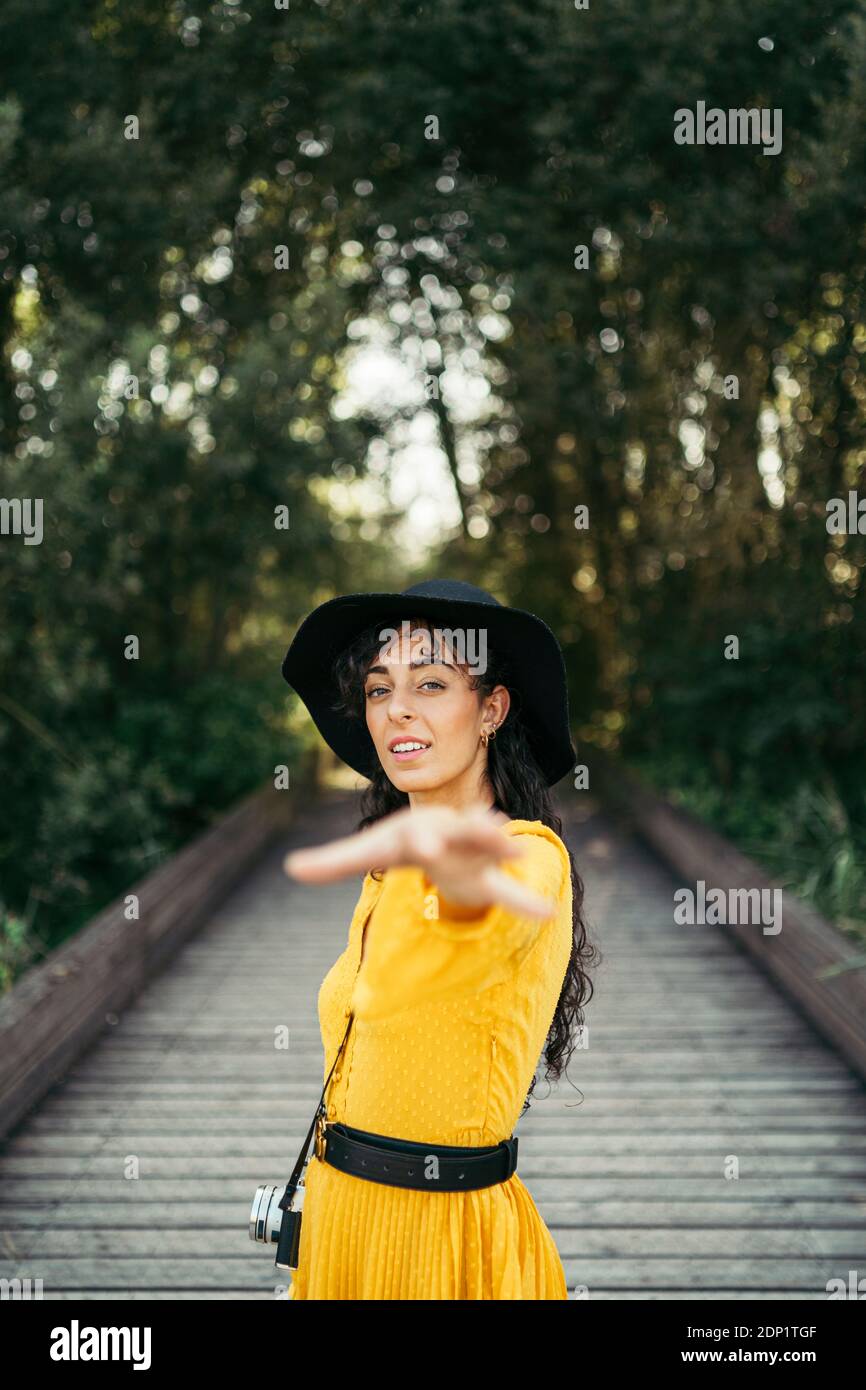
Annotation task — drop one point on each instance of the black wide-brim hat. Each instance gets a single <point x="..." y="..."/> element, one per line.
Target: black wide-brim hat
<point x="536" y="668"/>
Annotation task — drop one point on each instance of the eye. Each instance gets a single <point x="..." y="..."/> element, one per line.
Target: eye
<point x="431" y="680"/>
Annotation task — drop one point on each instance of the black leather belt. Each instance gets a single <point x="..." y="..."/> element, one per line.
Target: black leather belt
<point x="427" y="1167"/>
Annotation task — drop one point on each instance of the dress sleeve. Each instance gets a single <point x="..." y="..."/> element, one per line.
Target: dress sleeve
<point x="414" y="953"/>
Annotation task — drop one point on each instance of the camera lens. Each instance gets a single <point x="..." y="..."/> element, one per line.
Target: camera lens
<point x="265" y="1215"/>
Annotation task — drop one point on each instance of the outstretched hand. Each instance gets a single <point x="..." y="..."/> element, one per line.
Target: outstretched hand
<point x="458" y="850"/>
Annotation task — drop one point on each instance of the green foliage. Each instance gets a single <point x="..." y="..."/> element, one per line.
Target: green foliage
<point x="823" y="854"/>
<point x="166" y="384"/>
<point x="20" y="947"/>
<point x="768" y="747"/>
<point x="82" y="827"/>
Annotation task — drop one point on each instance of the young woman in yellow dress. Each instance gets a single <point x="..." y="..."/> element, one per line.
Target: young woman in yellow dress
<point x="467" y="954"/>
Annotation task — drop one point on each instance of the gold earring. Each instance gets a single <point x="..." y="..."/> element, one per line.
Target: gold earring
<point x="486" y="737"/>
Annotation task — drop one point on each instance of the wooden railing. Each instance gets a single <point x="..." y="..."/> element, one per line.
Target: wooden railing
<point x="59" y="1007"/>
<point x="803" y="958"/>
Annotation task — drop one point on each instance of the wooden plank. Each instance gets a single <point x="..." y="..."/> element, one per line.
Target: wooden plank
<point x="644" y="1242"/>
<point x="180" y="1124"/>
<point x="256" y="1270"/>
<point x="279" y="1292"/>
<point x="683" y="1153"/>
<point x="785" y="1187"/>
<point x="833" y="1213"/>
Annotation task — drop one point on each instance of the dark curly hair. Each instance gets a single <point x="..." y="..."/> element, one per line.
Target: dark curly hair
<point x="519" y="789"/>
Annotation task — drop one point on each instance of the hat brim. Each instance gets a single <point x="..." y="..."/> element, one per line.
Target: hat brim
<point x="533" y="653"/>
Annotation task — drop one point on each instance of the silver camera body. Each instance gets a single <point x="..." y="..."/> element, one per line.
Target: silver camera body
<point x="271" y="1224"/>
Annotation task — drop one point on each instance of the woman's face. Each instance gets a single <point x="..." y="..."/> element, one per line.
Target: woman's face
<point x="416" y="692"/>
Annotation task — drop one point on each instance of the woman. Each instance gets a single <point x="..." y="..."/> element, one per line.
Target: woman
<point x="466" y="956"/>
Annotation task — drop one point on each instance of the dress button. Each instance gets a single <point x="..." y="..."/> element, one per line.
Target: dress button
<point x="332" y="1110"/>
<point x="337" y="1075"/>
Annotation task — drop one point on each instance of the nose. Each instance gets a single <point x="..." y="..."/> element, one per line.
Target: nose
<point x="398" y="710"/>
<point x="401" y="716"/>
<point x="400" y="707"/>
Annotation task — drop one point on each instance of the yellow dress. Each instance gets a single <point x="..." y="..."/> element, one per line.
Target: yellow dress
<point x="450" y="1018"/>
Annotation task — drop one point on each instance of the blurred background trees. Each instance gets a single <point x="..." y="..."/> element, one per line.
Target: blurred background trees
<point x="294" y="289"/>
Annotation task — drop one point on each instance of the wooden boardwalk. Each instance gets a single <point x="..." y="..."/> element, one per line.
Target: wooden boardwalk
<point x="133" y="1179"/>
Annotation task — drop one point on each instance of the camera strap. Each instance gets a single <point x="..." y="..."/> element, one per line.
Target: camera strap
<point x="292" y="1184"/>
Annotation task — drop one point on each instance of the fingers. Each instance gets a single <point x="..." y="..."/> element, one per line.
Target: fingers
<point x="485" y="837"/>
<point x="423" y="837"/>
<point x="482" y="830"/>
<point x="426" y="844"/>
<point x="350" y="855"/>
<point x="516" y="896"/>
<point x="405" y="837"/>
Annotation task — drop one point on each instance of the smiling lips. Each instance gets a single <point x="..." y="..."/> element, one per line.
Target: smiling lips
<point x="408" y="748"/>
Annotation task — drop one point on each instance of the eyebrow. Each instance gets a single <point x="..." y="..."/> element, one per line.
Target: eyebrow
<point x="413" y="666"/>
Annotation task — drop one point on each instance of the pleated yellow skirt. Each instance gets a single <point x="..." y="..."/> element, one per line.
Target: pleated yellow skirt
<point x="365" y="1240"/>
